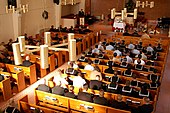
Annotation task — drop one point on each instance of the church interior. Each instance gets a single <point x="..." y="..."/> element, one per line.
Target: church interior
<point x="84" y="56"/>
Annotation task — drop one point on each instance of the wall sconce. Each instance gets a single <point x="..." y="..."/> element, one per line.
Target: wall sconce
<point x="21" y="9"/>
<point x="123" y="13"/>
<point x="144" y="4"/>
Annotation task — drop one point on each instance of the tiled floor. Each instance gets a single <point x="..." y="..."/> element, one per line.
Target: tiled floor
<point x="163" y="104"/>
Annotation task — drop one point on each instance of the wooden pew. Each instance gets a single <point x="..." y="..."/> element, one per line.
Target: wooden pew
<point x="19" y="77"/>
<point x="51" y="61"/>
<point x="25" y="107"/>
<point x="29" y="72"/>
<point x="5" y="87"/>
<point x="54" y="101"/>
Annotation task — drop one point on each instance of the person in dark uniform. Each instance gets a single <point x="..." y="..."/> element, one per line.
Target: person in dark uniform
<point x="96" y="84"/>
<point x="58" y="89"/>
<point x="113" y="87"/>
<point x="44" y="87"/>
<point x="101" y="99"/>
<point x="110" y="69"/>
<point x="27" y="62"/>
<point x="119" y="104"/>
<point x="145" y="108"/>
<point x="127" y="90"/>
<point x="70" y="93"/>
<point x="84" y="95"/>
<point x="81" y="13"/>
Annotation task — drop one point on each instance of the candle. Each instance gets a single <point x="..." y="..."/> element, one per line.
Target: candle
<point x="122" y="14"/>
<point x="13" y="9"/>
<point x="143" y="4"/>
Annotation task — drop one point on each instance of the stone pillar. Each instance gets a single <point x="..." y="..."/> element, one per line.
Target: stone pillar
<point x="47" y="38"/>
<point x="21" y="40"/>
<point x="44" y="56"/>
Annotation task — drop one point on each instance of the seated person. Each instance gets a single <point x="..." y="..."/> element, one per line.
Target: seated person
<point x="113" y="87"/>
<point x="90" y="54"/>
<point x="144" y="91"/>
<point x="79" y="80"/>
<point x="126" y="33"/>
<point x="27" y="62"/>
<point x="43" y="87"/>
<point x="139" y="59"/>
<point x="101" y="56"/>
<point x="138" y="66"/>
<point x="1" y="77"/>
<point x="58" y="89"/>
<point x="89" y="66"/>
<point x="95" y="72"/>
<point x="151" y="63"/>
<point x="115" y="78"/>
<point x="96" y="61"/>
<point x="71" y="30"/>
<point x="159" y="48"/>
<point x="149" y="49"/>
<point x="135" y="33"/>
<point x="129" y="59"/>
<point x="100" y="46"/>
<point x="116" y="58"/>
<point x="84" y="95"/>
<point x="96" y="50"/>
<point x="70" y="70"/>
<point x="124" y="63"/>
<point x="101" y="99"/>
<point x="153" y="56"/>
<point x="52" y="29"/>
<point x="7" y="60"/>
<point x="96" y="84"/>
<point x="154" y="85"/>
<point x="127" y="90"/>
<point x="83" y="58"/>
<point x="144" y="57"/>
<point x="109" y="69"/>
<point x="118" y="103"/>
<point x="135" y="82"/>
<point x="128" y="72"/>
<point x="70" y="93"/>
<point x="104" y="43"/>
<point x="109" y="46"/>
<point x="153" y="77"/>
<point x="119" y="53"/>
<point x="59" y="78"/>
<point x="146" y="107"/>
<point x="139" y="46"/>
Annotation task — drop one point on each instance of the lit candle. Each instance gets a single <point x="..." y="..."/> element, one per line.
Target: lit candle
<point x="10" y="6"/>
<point x="147" y="3"/>
<point x="125" y="12"/>
<point x="137" y="3"/>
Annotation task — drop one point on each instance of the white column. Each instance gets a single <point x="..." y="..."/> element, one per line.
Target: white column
<point x="72" y="50"/>
<point x="47" y="38"/>
<point x="17" y="53"/>
<point x="21" y="40"/>
<point x="44" y="56"/>
<point x="70" y="36"/>
<point x="58" y="15"/>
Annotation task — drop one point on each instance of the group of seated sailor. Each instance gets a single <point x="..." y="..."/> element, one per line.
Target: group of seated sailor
<point x="65" y="88"/>
<point x="79" y="30"/>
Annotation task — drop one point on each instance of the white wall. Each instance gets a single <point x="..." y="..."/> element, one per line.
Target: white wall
<point x="32" y="22"/>
<point x="6" y="25"/>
